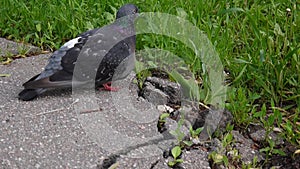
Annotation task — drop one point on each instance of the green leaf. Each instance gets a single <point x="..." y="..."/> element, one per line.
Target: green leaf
<point x="4" y="75"/>
<point x="188" y="143"/>
<point x="291" y="53"/>
<point x="278" y="151"/>
<point x="191" y="129"/>
<point x="266" y="149"/>
<point x="36" y="35"/>
<point x="176" y="151"/>
<point x="241" y="61"/>
<point x="271" y="143"/>
<point x="240" y="74"/>
<point x="288" y="127"/>
<point x="179" y="160"/>
<point x="171" y="163"/>
<point x="198" y="130"/>
<point x="163" y="116"/>
<point x="225" y="160"/>
<point x="228" y="138"/>
<point x="253" y="24"/>
<point x="38" y="27"/>
<point x="218" y="158"/>
<point x="271" y="120"/>
<point x="257" y="114"/>
<point x="229" y="127"/>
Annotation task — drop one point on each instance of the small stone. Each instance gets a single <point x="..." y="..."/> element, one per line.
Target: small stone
<point x="194" y="158"/>
<point x="241" y="139"/>
<point x="172" y="89"/>
<point x="165" y="109"/>
<point x="161" y="108"/>
<point x="153" y="95"/>
<point x="259" y="136"/>
<point x="196" y="141"/>
<point x="243" y="145"/>
<point x="169" y="109"/>
<point x="277" y="129"/>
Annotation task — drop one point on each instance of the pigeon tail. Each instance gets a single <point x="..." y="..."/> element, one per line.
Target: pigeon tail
<point x="30" y="94"/>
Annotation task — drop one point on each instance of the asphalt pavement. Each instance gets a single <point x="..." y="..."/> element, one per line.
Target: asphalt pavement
<point x="62" y="130"/>
<point x="81" y="129"/>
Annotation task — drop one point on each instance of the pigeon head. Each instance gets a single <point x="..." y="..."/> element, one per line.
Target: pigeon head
<point x="128" y="9"/>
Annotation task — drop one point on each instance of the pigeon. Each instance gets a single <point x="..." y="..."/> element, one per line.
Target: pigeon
<point x="59" y="71"/>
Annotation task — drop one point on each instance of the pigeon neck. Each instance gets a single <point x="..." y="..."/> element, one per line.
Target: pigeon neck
<point x="125" y="26"/>
<point x="125" y="21"/>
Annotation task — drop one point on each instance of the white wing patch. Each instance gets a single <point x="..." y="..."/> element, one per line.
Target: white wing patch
<point x="71" y="43"/>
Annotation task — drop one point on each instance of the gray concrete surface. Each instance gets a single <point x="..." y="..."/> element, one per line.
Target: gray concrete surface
<point x="47" y="133"/>
<point x="29" y="140"/>
<point x="61" y="129"/>
<point x="8" y="47"/>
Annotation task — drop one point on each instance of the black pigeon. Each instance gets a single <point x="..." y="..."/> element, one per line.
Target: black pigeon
<point x="60" y="69"/>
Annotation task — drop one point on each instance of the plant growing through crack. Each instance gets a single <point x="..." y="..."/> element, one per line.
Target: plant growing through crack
<point x="195" y="133"/>
<point x="176" y="152"/>
<point x="161" y="121"/>
<point x="9" y="56"/>
<point x="181" y="141"/>
<point x="219" y="157"/>
<point x="268" y="124"/>
<point x="179" y="135"/>
<point x="142" y="72"/>
<point x="225" y="153"/>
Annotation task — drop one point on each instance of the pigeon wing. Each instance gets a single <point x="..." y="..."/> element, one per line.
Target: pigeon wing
<point x="117" y="61"/>
<point x="59" y="70"/>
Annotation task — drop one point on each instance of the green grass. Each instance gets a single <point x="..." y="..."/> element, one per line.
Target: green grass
<point x="257" y="41"/>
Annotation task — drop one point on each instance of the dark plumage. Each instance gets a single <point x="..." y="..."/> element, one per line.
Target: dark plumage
<point x="58" y="73"/>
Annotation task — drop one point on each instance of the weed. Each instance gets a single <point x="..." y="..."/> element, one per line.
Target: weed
<point x="176" y="152"/>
